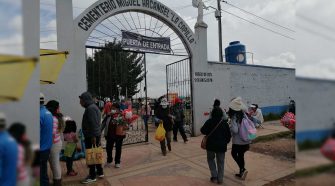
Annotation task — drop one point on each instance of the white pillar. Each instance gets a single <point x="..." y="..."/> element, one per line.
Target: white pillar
<point x="72" y="79"/>
<point x="26" y="110"/>
<point x="199" y="64"/>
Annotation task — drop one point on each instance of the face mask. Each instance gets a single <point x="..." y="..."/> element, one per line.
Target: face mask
<point x="113" y="111"/>
<point x="164" y="106"/>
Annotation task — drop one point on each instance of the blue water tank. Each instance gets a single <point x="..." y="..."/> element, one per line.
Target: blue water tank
<point x="235" y="53"/>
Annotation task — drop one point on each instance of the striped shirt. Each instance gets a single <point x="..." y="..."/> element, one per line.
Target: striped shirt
<point x="21" y="168"/>
<point x="56" y="138"/>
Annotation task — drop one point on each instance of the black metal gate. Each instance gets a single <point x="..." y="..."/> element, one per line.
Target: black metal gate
<point x="115" y="73"/>
<point x="178" y="83"/>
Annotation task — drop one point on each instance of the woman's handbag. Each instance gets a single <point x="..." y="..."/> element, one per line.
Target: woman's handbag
<point x="204" y="139"/>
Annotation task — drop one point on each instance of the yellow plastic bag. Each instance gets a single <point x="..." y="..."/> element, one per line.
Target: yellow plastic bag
<point x="94" y="156"/>
<point x="160" y="132"/>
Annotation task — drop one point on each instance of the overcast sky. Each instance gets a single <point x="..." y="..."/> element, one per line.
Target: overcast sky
<point x="311" y="51"/>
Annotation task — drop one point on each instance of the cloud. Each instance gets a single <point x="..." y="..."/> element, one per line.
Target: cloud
<point x="324" y="69"/>
<point x="16" y="24"/>
<point x="11" y="39"/>
<point x="286" y="59"/>
<point x="49" y="41"/>
<point x="12" y="45"/>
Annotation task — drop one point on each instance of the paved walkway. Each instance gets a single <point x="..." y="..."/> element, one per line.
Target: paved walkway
<point x="311" y="159"/>
<point x="185" y="165"/>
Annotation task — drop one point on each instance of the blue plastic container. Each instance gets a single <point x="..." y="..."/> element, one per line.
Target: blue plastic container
<point x="236" y="53"/>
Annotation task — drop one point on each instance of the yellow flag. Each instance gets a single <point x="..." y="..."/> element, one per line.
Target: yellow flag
<point x="51" y="62"/>
<point x="15" y="73"/>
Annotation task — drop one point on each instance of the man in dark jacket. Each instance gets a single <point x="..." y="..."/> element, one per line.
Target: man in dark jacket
<point x="163" y="113"/>
<point x="91" y="130"/>
<point x="178" y="113"/>
<point x="218" y="133"/>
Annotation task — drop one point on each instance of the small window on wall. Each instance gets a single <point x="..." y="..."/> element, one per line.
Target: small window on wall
<point x="11" y="35"/>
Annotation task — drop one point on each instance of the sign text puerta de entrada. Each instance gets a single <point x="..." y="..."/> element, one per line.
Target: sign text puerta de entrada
<point x="144" y="43"/>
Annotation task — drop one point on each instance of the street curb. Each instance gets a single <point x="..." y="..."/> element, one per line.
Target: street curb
<point x="272" y="136"/>
<point x="314" y="170"/>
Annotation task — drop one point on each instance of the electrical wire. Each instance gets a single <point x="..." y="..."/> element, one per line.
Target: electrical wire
<point x="263" y="27"/>
<point x="259" y="17"/>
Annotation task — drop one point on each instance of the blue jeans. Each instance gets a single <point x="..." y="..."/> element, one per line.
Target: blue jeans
<point x="44" y="157"/>
<point x="217" y="168"/>
<point x="145" y="120"/>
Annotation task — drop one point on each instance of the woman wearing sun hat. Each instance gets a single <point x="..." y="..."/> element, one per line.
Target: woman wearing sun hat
<point x="236" y="114"/>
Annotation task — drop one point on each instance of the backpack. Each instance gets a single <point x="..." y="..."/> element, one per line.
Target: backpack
<point x="247" y="130"/>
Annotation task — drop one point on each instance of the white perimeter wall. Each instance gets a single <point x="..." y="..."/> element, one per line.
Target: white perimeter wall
<point x="315" y="104"/>
<point x="267" y="86"/>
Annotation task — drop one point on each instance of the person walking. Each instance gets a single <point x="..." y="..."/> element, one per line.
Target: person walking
<point x="236" y="115"/>
<point x="46" y="128"/>
<point x="163" y="113"/>
<point x="107" y="107"/>
<point x="112" y="137"/>
<point x="18" y="132"/>
<point x="58" y="128"/>
<point x="145" y="113"/>
<point x="178" y="113"/>
<point x="8" y="155"/>
<point x="217" y="130"/>
<point x="92" y="133"/>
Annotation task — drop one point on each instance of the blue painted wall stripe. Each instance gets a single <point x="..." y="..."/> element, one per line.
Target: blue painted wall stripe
<point x="313" y="135"/>
<point x="274" y="109"/>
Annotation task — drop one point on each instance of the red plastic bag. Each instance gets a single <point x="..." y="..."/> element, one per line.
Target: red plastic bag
<point x="288" y="120"/>
<point x="328" y="149"/>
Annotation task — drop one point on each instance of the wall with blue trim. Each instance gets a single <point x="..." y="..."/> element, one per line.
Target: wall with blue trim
<point x="269" y="87"/>
<point x="274" y="109"/>
<point x="315" y="109"/>
<point x="314" y="135"/>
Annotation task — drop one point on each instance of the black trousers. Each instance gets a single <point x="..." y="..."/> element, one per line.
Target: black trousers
<point x="44" y="157"/>
<point x="179" y="126"/>
<point x="69" y="162"/>
<point x="238" y="152"/>
<point x="97" y="167"/>
<point x="118" y="149"/>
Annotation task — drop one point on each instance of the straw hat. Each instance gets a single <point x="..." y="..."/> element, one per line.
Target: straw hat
<point x="237" y="104"/>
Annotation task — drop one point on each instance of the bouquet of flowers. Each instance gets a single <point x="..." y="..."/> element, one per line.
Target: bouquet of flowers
<point x="328" y="149"/>
<point x="123" y="121"/>
<point x="128" y="116"/>
<point x="288" y="120"/>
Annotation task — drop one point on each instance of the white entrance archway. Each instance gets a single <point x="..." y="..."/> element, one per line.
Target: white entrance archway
<point x="99" y="11"/>
<point x="73" y="34"/>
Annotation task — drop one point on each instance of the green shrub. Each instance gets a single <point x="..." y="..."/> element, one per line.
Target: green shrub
<point x="315" y="170"/>
<point x="274" y="136"/>
<point x="308" y="144"/>
<point x="272" y="117"/>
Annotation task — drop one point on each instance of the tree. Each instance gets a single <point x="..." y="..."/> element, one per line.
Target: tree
<point x="111" y="66"/>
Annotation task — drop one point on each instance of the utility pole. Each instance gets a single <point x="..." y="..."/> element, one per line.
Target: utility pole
<point x="218" y="17"/>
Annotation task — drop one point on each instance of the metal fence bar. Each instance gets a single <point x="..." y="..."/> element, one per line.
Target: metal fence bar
<point x="179" y="83"/>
